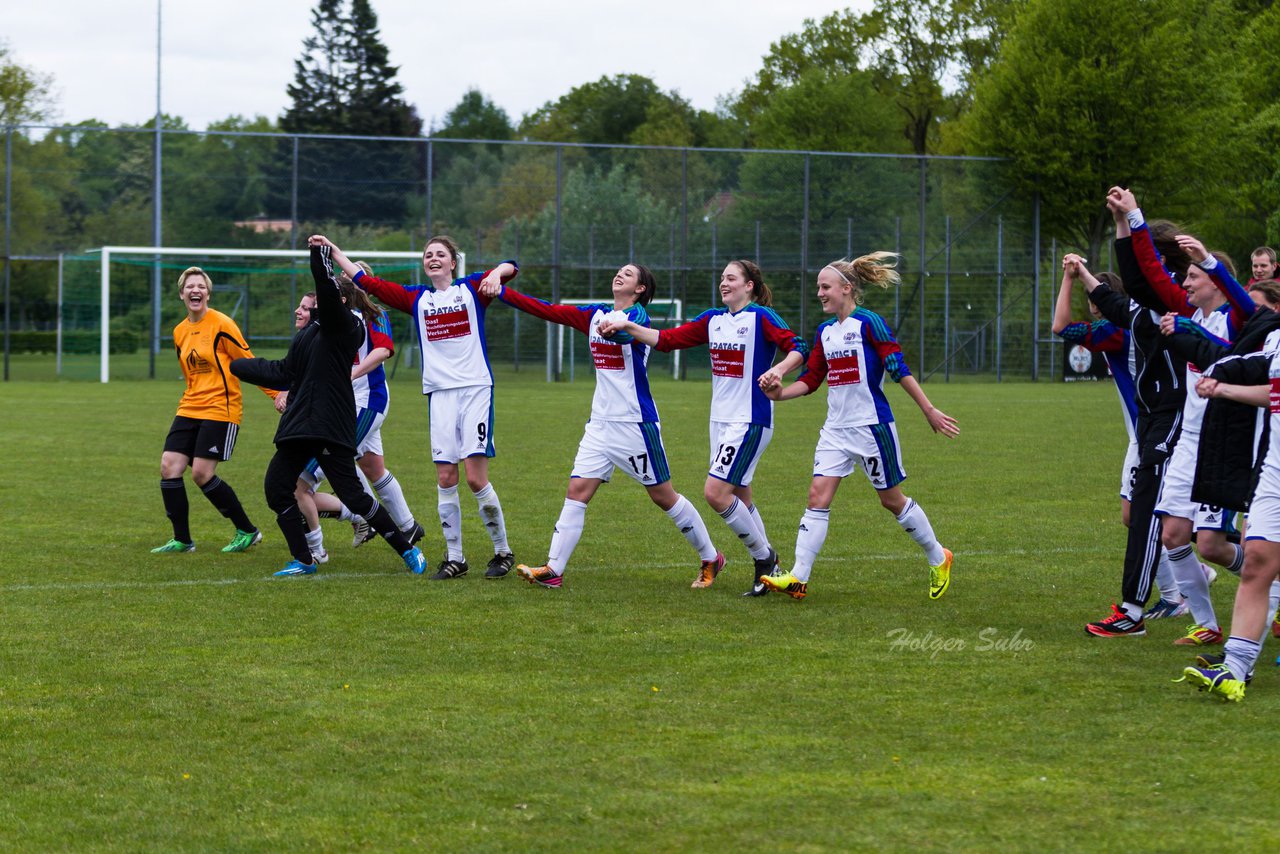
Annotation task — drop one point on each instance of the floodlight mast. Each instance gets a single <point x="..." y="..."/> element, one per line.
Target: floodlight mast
<point x="104" y="350"/>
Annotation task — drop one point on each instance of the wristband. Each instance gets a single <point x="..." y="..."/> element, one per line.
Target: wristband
<point x="1135" y="218"/>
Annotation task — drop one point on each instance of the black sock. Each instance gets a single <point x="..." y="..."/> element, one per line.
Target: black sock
<point x="382" y="522"/>
<point x="176" y="508"/>
<point x="294" y="528"/>
<point x="223" y="497"/>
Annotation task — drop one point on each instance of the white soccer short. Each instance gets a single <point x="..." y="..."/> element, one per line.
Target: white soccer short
<point x="368" y="441"/>
<point x="461" y="423"/>
<point x="874" y="448"/>
<point x="633" y="446"/>
<point x="1175" y="488"/>
<point x="736" y="449"/>
<point x="1130" y="468"/>
<point x="1264" y="511"/>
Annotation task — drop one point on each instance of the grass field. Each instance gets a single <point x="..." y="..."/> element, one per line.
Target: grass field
<point x="192" y="702"/>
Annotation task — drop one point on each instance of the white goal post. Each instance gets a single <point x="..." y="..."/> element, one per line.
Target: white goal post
<point x="674" y="318"/>
<point x="161" y="252"/>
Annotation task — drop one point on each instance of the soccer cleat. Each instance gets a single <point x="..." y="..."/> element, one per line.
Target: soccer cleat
<point x="1200" y="636"/>
<point x="361" y="533"/>
<point x="174" y="547"/>
<point x="318" y="557"/>
<point x="940" y="576"/>
<point x="1213" y="659"/>
<point x="500" y="565"/>
<point x="544" y="576"/>
<point x="708" y="571"/>
<point x="243" y="540"/>
<point x="767" y="565"/>
<point x="450" y="569"/>
<point x="1210" y="574"/>
<point x="1217" y="680"/>
<point x="1275" y="623"/>
<point x="787" y="584"/>
<point x="296" y="567"/>
<point x="415" y="562"/>
<point x="1117" y="625"/>
<point x="415" y="533"/>
<point x="1164" y="608"/>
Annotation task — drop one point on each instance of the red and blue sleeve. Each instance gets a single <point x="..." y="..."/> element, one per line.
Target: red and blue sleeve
<point x="1242" y="305"/>
<point x="1166" y="289"/>
<point x="777" y="333"/>
<point x="400" y="297"/>
<point x="1101" y="336"/>
<point x="685" y="335"/>
<point x="886" y="347"/>
<point x="565" y="315"/>
<point x="380" y="333"/>
<point x="473" y="281"/>
<point x="815" y="370"/>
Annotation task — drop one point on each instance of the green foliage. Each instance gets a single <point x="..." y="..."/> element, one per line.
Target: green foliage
<point x="33" y="341"/>
<point x="476" y="117"/>
<point x="190" y="702"/>
<point x="344" y="84"/>
<point x="26" y="95"/>
<point x="1079" y="109"/>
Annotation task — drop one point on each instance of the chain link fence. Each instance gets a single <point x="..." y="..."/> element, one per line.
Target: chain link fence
<point x="971" y="304"/>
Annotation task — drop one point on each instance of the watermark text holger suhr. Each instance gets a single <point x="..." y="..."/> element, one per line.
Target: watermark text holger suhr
<point x="990" y="639"/>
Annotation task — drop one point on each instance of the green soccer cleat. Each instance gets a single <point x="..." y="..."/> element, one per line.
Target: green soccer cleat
<point x="1216" y="680"/>
<point x="243" y="540"/>
<point x="787" y="584"/>
<point x="940" y="576"/>
<point x="174" y="547"/>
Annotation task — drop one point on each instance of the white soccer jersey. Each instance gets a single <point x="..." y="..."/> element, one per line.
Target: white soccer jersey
<point x="853" y="356"/>
<point x="371" y="389"/>
<point x="450" y="327"/>
<point x="742" y="347"/>
<point x="621" y="362"/>
<point x="1218" y="324"/>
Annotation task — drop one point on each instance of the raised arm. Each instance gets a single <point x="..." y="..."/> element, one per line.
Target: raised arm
<point x="337" y="254"/>
<point x="565" y="315"/>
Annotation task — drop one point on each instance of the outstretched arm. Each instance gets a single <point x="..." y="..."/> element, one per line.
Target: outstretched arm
<point x="644" y="334"/>
<point x="940" y="421"/>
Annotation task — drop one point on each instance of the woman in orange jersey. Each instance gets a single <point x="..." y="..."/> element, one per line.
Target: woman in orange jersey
<point x="204" y="430"/>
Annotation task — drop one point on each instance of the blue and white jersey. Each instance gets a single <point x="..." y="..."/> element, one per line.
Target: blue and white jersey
<point x="621" y="363"/>
<point x="371" y="389"/>
<point x="854" y="355"/>
<point x="742" y="347"/>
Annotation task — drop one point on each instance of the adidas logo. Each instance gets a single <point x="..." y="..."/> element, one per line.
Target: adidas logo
<point x="804" y="527"/>
<point x="444" y="525"/>
<point x="214" y="449"/>
<point x="686" y="529"/>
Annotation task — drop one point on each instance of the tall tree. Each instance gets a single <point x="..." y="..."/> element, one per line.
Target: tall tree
<point x="25" y="94"/>
<point x="476" y="117"/>
<point x="344" y="84"/>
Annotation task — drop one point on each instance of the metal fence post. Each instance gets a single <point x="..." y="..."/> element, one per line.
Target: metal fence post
<point x="924" y="260"/>
<point x="946" y="309"/>
<point x="1035" y="289"/>
<point x="804" y="247"/>
<point x="8" y="236"/>
<point x="553" y="360"/>
<point x="999" y="298"/>
<point x="897" y="292"/>
<point x="293" y="220"/>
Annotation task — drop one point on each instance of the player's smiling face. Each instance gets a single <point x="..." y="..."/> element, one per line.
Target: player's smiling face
<point x="626" y="285"/>
<point x="302" y="314"/>
<point x="195" y="293"/>
<point x="1201" y="291"/>
<point x="438" y="263"/>
<point x="834" y="292"/>
<point x="735" y="290"/>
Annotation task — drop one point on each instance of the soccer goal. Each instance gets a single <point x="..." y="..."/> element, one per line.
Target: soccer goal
<point x="229" y="268"/>
<point x="663" y="313"/>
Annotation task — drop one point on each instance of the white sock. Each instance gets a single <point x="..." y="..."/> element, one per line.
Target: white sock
<point x="809" y="539"/>
<point x="566" y="535"/>
<point x="1240" y="654"/>
<point x="346" y="515"/>
<point x="1193" y="585"/>
<point x="760" y="531"/>
<point x="1273" y="602"/>
<point x="739" y="520"/>
<point x="315" y="541"/>
<point x="686" y="517"/>
<point x="392" y="497"/>
<point x="491" y="515"/>
<point x="1237" y="563"/>
<point x="1169" y="591"/>
<point x="915" y="523"/>
<point x="450" y="521"/>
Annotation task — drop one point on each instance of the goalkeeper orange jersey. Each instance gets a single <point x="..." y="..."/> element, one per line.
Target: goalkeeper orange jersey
<point x="205" y="351"/>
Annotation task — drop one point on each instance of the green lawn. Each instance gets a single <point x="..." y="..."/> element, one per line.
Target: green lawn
<point x="192" y="702"/>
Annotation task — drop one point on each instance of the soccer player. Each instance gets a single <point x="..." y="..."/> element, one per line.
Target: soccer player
<point x="744" y="337"/>
<point x="1248" y="379"/>
<point x="456" y="377"/>
<point x="369" y="381"/>
<point x="320" y="420"/>
<point x="204" y="431"/>
<point x="854" y="351"/>
<point x="1160" y="392"/>
<point x="623" y="432"/>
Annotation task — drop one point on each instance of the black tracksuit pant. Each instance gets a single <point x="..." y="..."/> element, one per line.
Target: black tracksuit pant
<point x="1157" y="434"/>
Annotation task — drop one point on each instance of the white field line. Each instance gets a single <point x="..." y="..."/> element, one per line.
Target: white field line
<point x="357" y="576"/>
